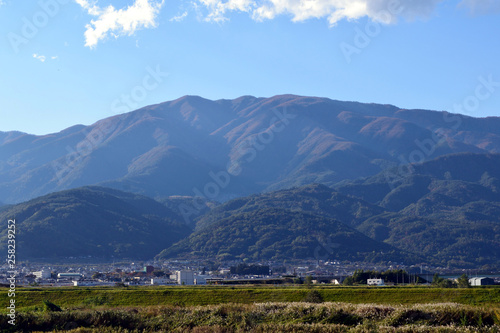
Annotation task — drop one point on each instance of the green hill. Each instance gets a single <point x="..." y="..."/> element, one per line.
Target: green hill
<point x="92" y="222"/>
<point x="276" y="233"/>
<point x="447" y="209"/>
<point x="448" y="221"/>
<point x="315" y="198"/>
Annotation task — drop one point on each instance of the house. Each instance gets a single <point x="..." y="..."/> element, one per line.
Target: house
<point x="375" y="282"/>
<point x="481" y="281"/>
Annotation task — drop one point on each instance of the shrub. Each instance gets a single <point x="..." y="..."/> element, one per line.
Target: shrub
<point x="313" y="297"/>
<point x="48" y="306"/>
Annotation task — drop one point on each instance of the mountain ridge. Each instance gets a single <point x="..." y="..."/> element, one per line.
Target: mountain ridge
<point x="307" y="139"/>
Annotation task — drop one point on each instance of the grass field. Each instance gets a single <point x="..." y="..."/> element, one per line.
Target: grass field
<point x="206" y="295"/>
<point x="253" y="309"/>
<point x="263" y="317"/>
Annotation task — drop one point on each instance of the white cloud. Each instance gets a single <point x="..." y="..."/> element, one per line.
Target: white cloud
<point x="217" y="9"/>
<point x="42" y="58"/>
<point x="333" y="11"/>
<point x="110" y="21"/>
<point x="482" y="6"/>
<point x="179" y="18"/>
<point x="39" y="57"/>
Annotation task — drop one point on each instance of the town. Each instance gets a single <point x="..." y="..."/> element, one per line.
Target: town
<point x="186" y="272"/>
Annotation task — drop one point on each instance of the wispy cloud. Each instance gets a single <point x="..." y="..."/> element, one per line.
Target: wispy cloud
<point x="179" y="18"/>
<point x="217" y="9"/>
<point x="118" y="22"/>
<point x="331" y="10"/>
<point x="40" y="57"/>
<point x="480" y="7"/>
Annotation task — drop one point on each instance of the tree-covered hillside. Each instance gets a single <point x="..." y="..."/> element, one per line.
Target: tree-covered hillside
<point x="92" y="221"/>
<point x="279" y="234"/>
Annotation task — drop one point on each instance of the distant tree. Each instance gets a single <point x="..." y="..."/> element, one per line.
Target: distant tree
<point x="438" y="281"/>
<point x="447" y="284"/>
<point x="244" y="269"/>
<point x="308" y="281"/>
<point x="396" y="276"/>
<point x="281" y="269"/>
<point x="348" y="281"/>
<point x="463" y="281"/>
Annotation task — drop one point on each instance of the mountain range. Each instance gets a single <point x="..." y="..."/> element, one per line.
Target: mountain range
<point x="231" y="148"/>
<point x="286" y="177"/>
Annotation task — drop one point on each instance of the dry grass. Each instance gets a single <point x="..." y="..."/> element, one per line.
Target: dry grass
<point x="263" y="317"/>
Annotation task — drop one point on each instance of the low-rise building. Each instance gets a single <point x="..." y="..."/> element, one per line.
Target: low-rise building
<point x="69" y="276"/>
<point x="162" y="281"/>
<point x="43" y="274"/>
<point x="481" y="281"/>
<point x="375" y="282"/>
<point x="85" y="283"/>
<point x="201" y="279"/>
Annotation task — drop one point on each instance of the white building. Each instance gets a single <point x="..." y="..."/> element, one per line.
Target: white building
<point x="86" y="283"/>
<point x="481" y="281"/>
<point x="43" y="274"/>
<point x="185" y="277"/>
<point x="375" y="282"/>
<point x="69" y="276"/>
<point x="201" y="279"/>
<point x="162" y="281"/>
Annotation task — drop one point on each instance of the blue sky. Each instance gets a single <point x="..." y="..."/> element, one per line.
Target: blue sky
<point x="67" y="62"/>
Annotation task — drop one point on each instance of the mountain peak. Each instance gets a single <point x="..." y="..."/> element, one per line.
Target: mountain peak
<point x="176" y="147"/>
